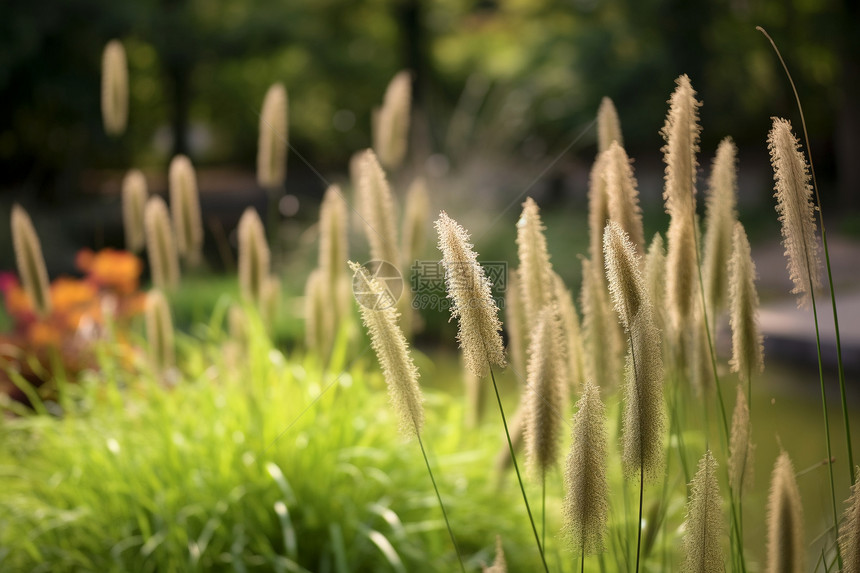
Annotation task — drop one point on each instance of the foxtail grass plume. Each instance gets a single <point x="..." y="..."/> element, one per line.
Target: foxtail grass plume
<point x="720" y="217"/>
<point x="333" y="249"/>
<point x="703" y="528"/>
<point x="546" y="381"/>
<point x="270" y="300"/>
<point x="600" y="331"/>
<point x="134" y="195"/>
<point x="159" y="331"/>
<point x="160" y="245"/>
<point x="747" y="349"/>
<point x="571" y="332"/>
<point x="586" y="500"/>
<point x="598" y="215"/>
<point x="254" y="256"/>
<point x="272" y="144"/>
<point x="31" y="263"/>
<point x="499" y="564"/>
<point x="392" y="350"/>
<point x="185" y="208"/>
<point x="535" y="269"/>
<point x="655" y="278"/>
<point x="391" y="121"/>
<point x="741" y="448"/>
<point x="623" y="195"/>
<point x="644" y="419"/>
<point x="318" y="328"/>
<point x="681" y="132"/>
<point x="849" y="534"/>
<point x="376" y="207"/>
<point x="515" y="321"/>
<point x="114" y="88"/>
<point x="472" y="302"/>
<point x="786" y="547"/>
<point x="796" y="210"/>
<point x="608" y="125"/>
<point x="414" y="238"/>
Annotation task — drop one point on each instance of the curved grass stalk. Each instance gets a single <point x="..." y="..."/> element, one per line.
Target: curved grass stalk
<point x="839" y="365"/>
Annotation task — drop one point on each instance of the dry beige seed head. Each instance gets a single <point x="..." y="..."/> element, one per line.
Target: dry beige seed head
<point x="134" y="195"/>
<point x="608" y="125"/>
<point x="471" y="299"/>
<point x="795" y="207"/>
<point x="254" y="256"/>
<point x="849" y="534"/>
<point x="392" y="350"/>
<point x="720" y="217"/>
<point x="703" y="527"/>
<point x="334" y="245"/>
<point x="747" y="349"/>
<point x="160" y="245"/>
<point x="681" y="132"/>
<point x="598" y="215"/>
<point x="786" y="548"/>
<point x="535" y="269"/>
<point x="391" y="121"/>
<point x="655" y="279"/>
<point x="273" y="142"/>
<point x="601" y="333"/>
<point x="546" y="381"/>
<point x="31" y="263"/>
<point x="624" y="275"/>
<point x="571" y="333"/>
<point x="644" y="421"/>
<point x="623" y="195"/>
<point x="376" y="206"/>
<point x="586" y="501"/>
<point x="741" y="448"/>
<point x="159" y="331"/>
<point x="185" y="208"/>
<point x="319" y="329"/>
<point x="237" y="324"/>
<point x="499" y="564"/>
<point x="515" y="321"/>
<point x="270" y="301"/>
<point x="415" y="218"/>
<point x="114" y="88"/>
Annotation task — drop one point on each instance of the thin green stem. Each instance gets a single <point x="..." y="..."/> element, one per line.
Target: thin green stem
<point x="439" y="498"/>
<point x="839" y="365"/>
<point x="582" y="559"/>
<point x="543" y="509"/>
<point x="517" y="469"/>
<point x="639" y="523"/>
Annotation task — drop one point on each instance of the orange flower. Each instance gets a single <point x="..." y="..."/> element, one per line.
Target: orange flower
<point x="111" y="269"/>
<point x="42" y="334"/>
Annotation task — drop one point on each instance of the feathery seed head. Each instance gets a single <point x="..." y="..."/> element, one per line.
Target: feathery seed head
<point x="31" y="263"/>
<point x="571" y="333"/>
<point x="849" y="534"/>
<point x="608" y="125"/>
<point x="114" y="88"/>
<point x="655" y="278"/>
<point x="515" y="321"/>
<point x="392" y="351"/>
<point x="272" y="144"/>
<point x="499" y="564"/>
<point x="747" y="349"/>
<point x="741" y="448"/>
<point x="720" y="215"/>
<point x="624" y="275"/>
<point x="185" y="207"/>
<point x="546" y="378"/>
<point x="254" y="256"/>
<point x="601" y="334"/>
<point x="134" y="195"/>
<point x="160" y="245"/>
<point x="623" y="195"/>
<point x="391" y="122"/>
<point x="585" y="508"/>
<point x="416" y="214"/>
<point x="333" y="234"/>
<point x="795" y="207"/>
<point x="159" y="330"/>
<point x="535" y="269"/>
<point x="376" y="206"/>
<point x="703" y="527"/>
<point x="319" y="329"/>
<point x="598" y="215"/>
<point x="472" y="302"/>
<point x="786" y="548"/>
